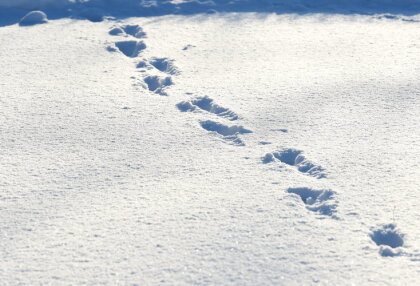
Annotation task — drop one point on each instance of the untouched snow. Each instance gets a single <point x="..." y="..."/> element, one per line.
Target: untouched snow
<point x="211" y="149"/>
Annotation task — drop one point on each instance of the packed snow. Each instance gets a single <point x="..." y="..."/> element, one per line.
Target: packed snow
<point x="177" y="142"/>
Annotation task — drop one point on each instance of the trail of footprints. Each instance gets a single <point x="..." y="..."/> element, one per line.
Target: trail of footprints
<point x="321" y="201"/>
<point x="161" y="69"/>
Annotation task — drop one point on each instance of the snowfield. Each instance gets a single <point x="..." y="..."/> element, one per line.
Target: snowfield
<point x="222" y="147"/>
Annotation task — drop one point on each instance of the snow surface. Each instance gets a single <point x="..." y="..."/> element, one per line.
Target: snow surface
<point x="120" y="8"/>
<point x="210" y="149"/>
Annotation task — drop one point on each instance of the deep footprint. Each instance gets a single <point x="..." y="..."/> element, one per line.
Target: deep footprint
<point x="389" y="239"/>
<point x="164" y="65"/>
<point x="319" y="201"/>
<point x="228" y="133"/>
<point x="158" y="84"/>
<point x="293" y="157"/>
<point x="207" y="104"/>
<point x="130" y="48"/>
<point x="132" y="30"/>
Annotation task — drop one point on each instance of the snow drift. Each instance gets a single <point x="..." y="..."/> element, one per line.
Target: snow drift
<point x="33" y="18"/>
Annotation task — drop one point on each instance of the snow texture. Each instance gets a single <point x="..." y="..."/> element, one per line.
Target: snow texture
<point x="284" y="150"/>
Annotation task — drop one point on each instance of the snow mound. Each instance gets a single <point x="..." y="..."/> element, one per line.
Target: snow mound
<point x="387" y="251"/>
<point x="33" y="18"/>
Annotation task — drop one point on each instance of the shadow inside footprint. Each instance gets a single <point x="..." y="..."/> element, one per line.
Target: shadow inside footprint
<point x="389" y="239"/>
<point x="207" y="104"/>
<point x="388" y="235"/>
<point x="224" y="129"/>
<point x="164" y="65"/>
<point x="132" y="30"/>
<point x="157" y="84"/>
<point x="185" y="106"/>
<point x="228" y="133"/>
<point x="116" y="31"/>
<point x="295" y="158"/>
<point x="130" y="49"/>
<point x="320" y="201"/>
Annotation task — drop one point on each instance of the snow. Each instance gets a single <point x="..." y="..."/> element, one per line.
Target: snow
<point x="234" y="148"/>
<point x="96" y="9"/>
<point x="34" y="18"/>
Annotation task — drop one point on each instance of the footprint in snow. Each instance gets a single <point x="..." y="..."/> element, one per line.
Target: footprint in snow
<point x="164" y="65"/>
<point x="389" y="239"/>
<point x="128" y="30"/>
<point x="158" y="84"/>
<point x="230" y="134"/>
<point x="295" y="158"/>
<point x="319" y="201"/>
<point x="207" y="104"/>
<point x="130" y="49"/>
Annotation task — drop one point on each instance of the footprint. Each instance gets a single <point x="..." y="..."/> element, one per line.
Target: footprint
<point x="164" y="65"/>
<point x="228" y="133"/>
<point x="116" y="31"/>
<point x="389" y="239"/>
<point x="293" y="157"/>
<point x="320" y="201"/>
<point x="207" y="104"/>
<point x="132" y="30"/>
<point x="158" y="84"/>
<point x="141" y="65"/>
<point x="130" y="48"/>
